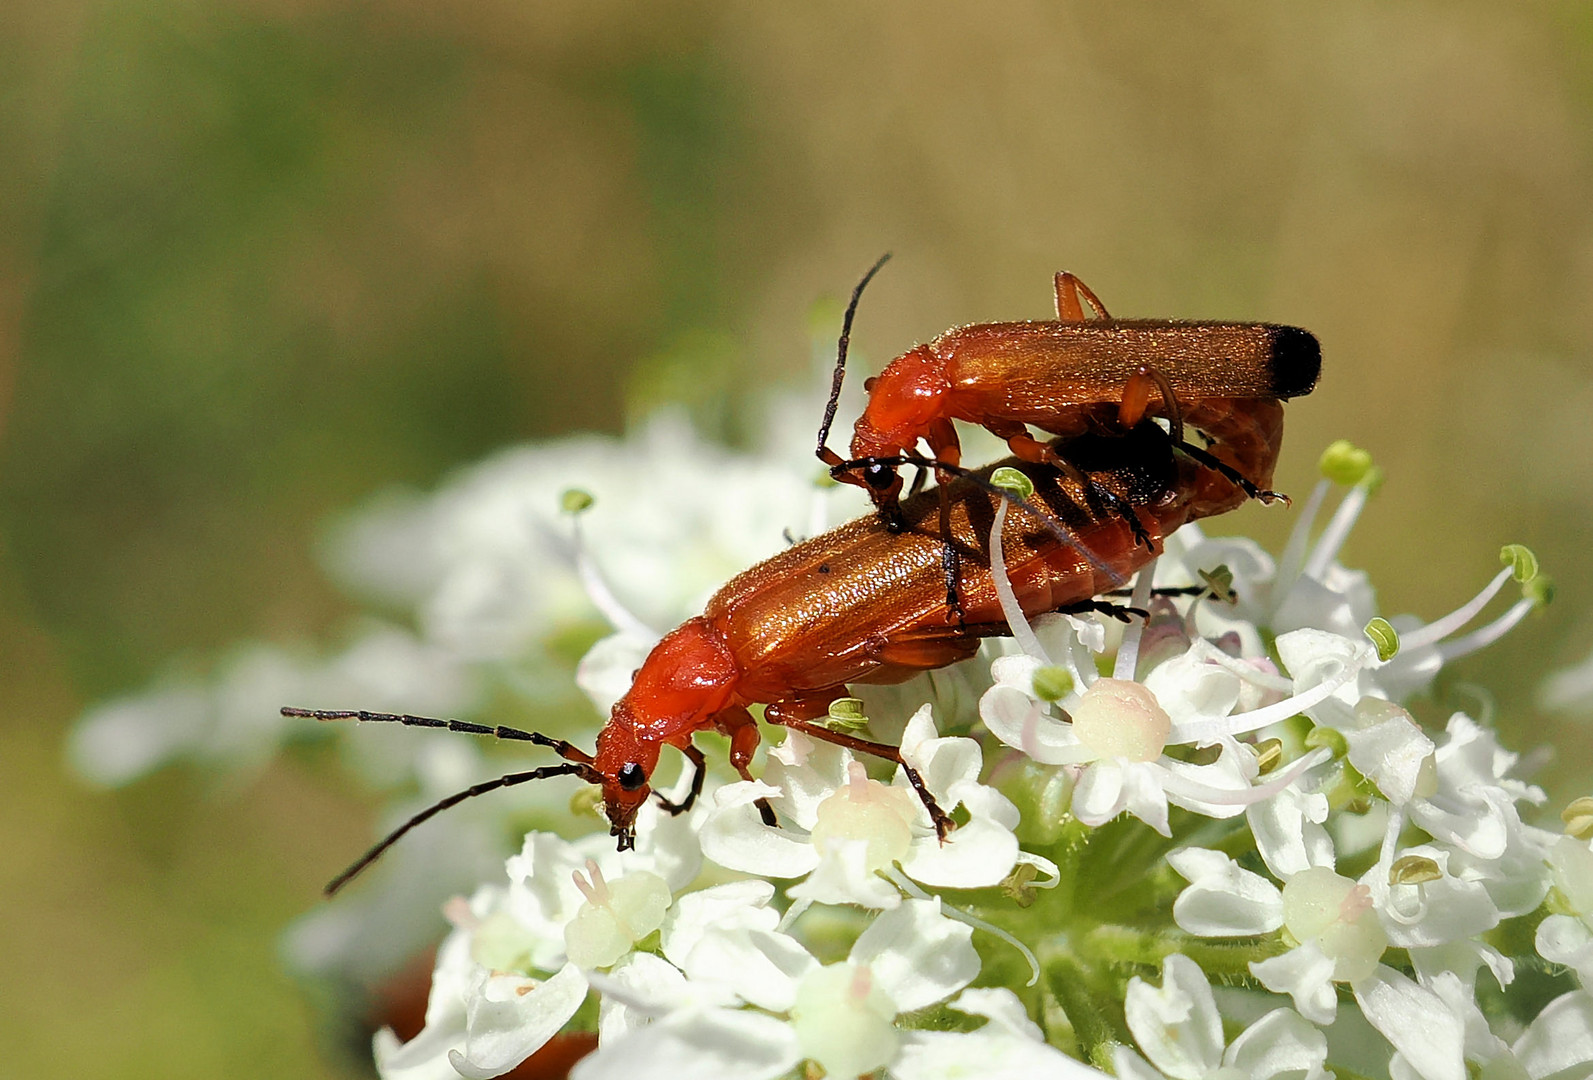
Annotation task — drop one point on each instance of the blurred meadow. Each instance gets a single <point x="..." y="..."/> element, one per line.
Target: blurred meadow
<point x="261" y="260"/>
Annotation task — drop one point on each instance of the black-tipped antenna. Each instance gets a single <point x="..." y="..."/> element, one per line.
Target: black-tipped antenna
<point x="825" y="454"/>
<point x="577" y="763"/>
<point x="1048" y="522"/>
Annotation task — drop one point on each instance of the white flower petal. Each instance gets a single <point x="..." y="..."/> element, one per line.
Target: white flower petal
<point x="1565" y="940"/>
<point x="1025" y="724"/>
<point x="1306" y="975"/>
<point x="721" y="1043"/>
<point x="426" y="1055"/>
<point x="736" y="904"/>
<point x="975" y="856"/>
<point x="806" y="772"/>
<point x="983" y="1055"/>
<point x="508" y="1018"/>
<point x="1390" y="754"/>
<point x="1281" y="1042"/>
<point x="1560" y="1039"/>
<point x="1000" y="1006"/>
<point x="1177" y="1025"/>
<point x="1010" y="1047"/>
<point x="762" y="967"/>
<point x="917" y="955"/>
<point x="651" y="985"/>
<point x="725" y="936"/>
<point x="1288" y="831"/>
<point x="734" y="835"/>
<point x="1416" y="1021"/>
<point x="1130" y="1066"/>
<point x="606" y="671"/>
<point x="1223" y="899"/>
<point x="1434" y="912"/>
<point x="1191" y="689"/>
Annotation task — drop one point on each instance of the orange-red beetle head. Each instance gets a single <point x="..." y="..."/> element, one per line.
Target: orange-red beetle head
<point x="626" y="764"/>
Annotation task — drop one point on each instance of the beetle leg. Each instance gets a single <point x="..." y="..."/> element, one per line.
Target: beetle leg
<point x="1120" y="612"/>
<point x="738" y="723"/>
<point x="1068" y="291"/>
<point x="947" y="451"/>
<point x="1136" y="401"/>
<point x="942" y="820"/>
<point x="1212" y="461"/>
<point x="1029" y="448"/>
<point x="699" y="770"/>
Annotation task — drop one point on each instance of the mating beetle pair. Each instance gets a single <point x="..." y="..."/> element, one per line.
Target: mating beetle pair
<point x="909" y="588"/>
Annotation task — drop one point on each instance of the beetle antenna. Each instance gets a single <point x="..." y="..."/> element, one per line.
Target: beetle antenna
<point x="577" y="763"/>
<point x="581" y="769"/>
<point x="567" y="751"/>
<point x="825" y="454"/>
<point x="1048" y="522"/>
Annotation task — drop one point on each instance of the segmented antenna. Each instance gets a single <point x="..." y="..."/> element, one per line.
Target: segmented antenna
<point x="577" y="763"/>
<point x="825" y="454"/>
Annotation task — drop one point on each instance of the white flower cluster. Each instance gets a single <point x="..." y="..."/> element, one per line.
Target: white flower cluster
<point x="1230" y="792"/>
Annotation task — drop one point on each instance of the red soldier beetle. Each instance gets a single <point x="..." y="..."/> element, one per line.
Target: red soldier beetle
<point x="1071" y="376"/>
<point x="863" y="604"/>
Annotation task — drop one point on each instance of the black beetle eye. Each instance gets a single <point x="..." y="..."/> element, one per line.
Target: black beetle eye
<point x="878" y="476"/>
<point x="632" y="776"/>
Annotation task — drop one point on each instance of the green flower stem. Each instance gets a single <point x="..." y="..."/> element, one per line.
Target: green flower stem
<point x="1226" y="960"/>
<point x="1073" y="987"/>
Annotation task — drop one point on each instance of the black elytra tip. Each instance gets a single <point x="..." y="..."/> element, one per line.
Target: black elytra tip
<point x="1296" y="361"/>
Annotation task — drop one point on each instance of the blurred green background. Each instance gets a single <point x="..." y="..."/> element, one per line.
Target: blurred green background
<point x="258" y="260"/>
